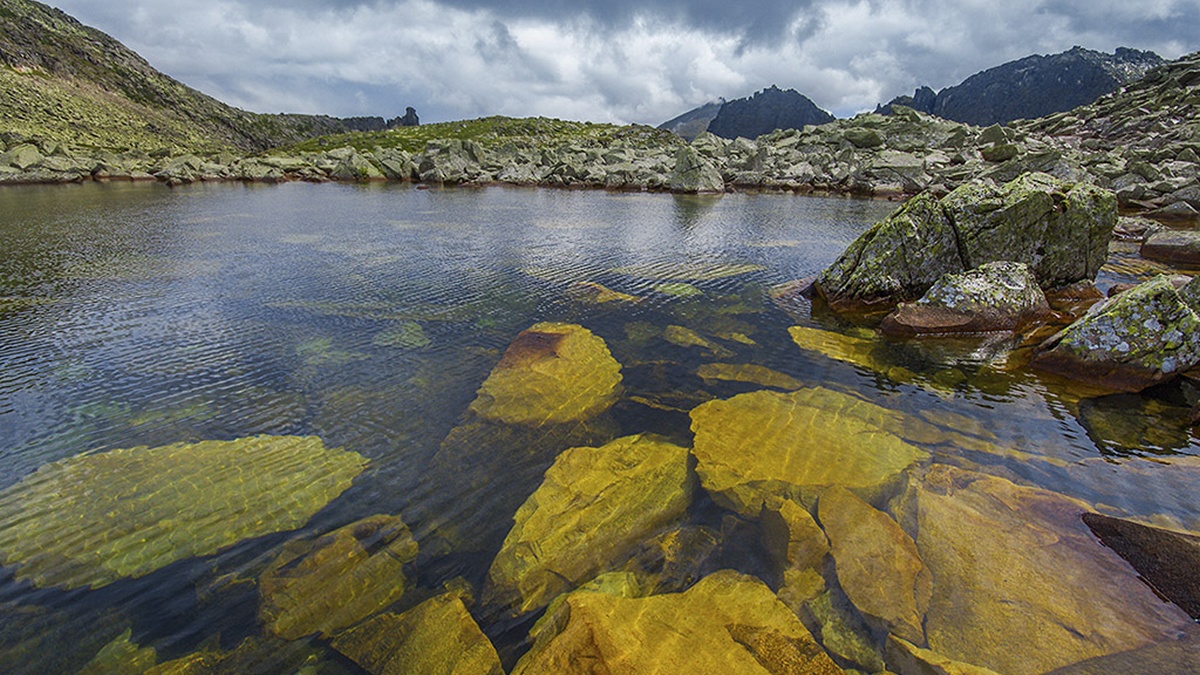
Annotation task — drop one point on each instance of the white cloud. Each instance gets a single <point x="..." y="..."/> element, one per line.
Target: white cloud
<point x="618" y="61"/>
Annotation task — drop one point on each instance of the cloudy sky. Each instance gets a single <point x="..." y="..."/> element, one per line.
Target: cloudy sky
<point x="606" y="60"/>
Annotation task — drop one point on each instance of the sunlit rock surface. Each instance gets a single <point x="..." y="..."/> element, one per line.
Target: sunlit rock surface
<point x="1016" y="566"/>
<point x="594" y="508"/>
<point x="93" y="519"/>
<point x="334" y="581"/>
<point x="551" y="373"/>
<point x="877" y="564"/>
<point x="767" y="444"/>
<point x="749" y="373"/>
<point x="437" y="637"/>
<point x="791" y="536"/>
<point x="727" y="623"/>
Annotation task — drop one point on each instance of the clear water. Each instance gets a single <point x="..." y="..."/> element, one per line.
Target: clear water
<point x="137" y="315"/>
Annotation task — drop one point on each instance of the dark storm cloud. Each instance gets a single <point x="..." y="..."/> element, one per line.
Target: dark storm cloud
<point x="620" y="60"/>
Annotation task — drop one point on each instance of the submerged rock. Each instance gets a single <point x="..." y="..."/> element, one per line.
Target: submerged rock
<point x="437" y="637"/>
<point x="1016" y="566"/>
<point x="764" y="444"/>
<point x="121" y="656"/>
<point x="791" y="536"/>
<point x="1135" y="339"/>
<point x="335" y="581"/>
<point x="906" y="658"/>
<point x="877" y="564"/>
<point x="594" y="508"/>
<point x="552" y="373"/>
<point x="748" y="373"/>
<point x="1061" y="232"/>
<point x="997" y="296"/>
<point x="726" y="623"/>
<point x="93" y="519"/>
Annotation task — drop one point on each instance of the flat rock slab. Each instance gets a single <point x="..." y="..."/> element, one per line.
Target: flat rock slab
<point x="1173" y="246"/>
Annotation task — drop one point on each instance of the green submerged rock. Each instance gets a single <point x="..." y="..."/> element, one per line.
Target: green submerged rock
<point x="93" y="519"/>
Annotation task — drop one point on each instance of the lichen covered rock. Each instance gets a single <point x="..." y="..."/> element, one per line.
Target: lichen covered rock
<point x="765" y="444"/>
<point x="552" y="373"/>
<point x="437" y="637"/>
<point x="594" y="508"/>
<point x="93" y="519"/>
<point x="694" y="173"/>
<point x="726" y="623"/>
<point x="996" y="296"/>
<point x="1136" y="339"/>
<point x="1060" y="231"/>
<point x="333" y="582"/>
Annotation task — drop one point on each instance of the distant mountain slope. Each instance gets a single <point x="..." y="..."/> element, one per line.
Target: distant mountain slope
<point x="767" y="111"/>
<point x="64" y="81"/>
<point x="1032" y="87"/>
<point x="695" y="121"/>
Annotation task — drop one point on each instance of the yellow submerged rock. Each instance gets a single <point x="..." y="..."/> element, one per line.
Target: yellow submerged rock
<point x="334" y="581"/>
<point x="766" y="444"/>
<point x="552" y="373"/>
<point x="592" y="293"/>
<point x="592" y="510"/>
<point x="727" y="623"/>
<point x="686" y="337"/>
<point x="93" y="519"/>
<point x="122" y="656"/>
<point x="437" y="637"/>
<point x="749" y="373"/>
<point x="877" y="564"/>
<point x="1020" y="585"/>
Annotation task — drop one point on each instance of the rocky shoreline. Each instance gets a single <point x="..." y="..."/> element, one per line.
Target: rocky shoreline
<point x="1156" y="170"/>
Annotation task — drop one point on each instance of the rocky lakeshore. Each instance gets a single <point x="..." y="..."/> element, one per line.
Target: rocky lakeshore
<point x="1141" y="142"/>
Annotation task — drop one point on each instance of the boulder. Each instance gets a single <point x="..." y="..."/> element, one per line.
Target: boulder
<point x="877" y="564"/>
<point x="552" y="373"/>
<point x="93" y="519"/>
<point x="1173" y="246"/>
<point x="593" y="510"/>
<point x="1131" y="341"/>
<point x="22" y="157"/>
<point x="997" y="296"/>
<point x="694" y="173"/>
<point x="1020" y="585"/>
<point x="1061" y="232"/>
<point x="763" y="445"/>
<point x="437" y="637"/>
<point x="332" y="582"/>
<point x="726" y="623"/>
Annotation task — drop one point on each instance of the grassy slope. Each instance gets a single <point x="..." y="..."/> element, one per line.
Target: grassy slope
<point x="62" y="80"/>
<point x="490" y="132"/>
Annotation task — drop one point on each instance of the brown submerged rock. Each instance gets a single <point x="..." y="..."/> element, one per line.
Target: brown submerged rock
<point x="335" y="581"/>
<point x="437" y="637"/>
<point x="877" y="564"/>
<point x="727" y="623"/>
<point x="1020" y="585"/>
<point x="1173" y="246"/>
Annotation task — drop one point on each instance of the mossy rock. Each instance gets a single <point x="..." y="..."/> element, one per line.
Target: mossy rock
<point x="93" y="519"/>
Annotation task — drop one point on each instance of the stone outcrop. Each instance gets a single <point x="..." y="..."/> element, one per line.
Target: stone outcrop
<point x="1135" y="339"/>
<point x="997" y="296"/>
<point x="437" y="637"/>
<point x="334" y="581"/>
<point x="726" y="623"/>
<point x="593" y="510"/>
<point x="1059" y="231"/>
<point x="765" y="445"/>
<point x="766" y="111"/>
<point x="1015" y="565"/>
